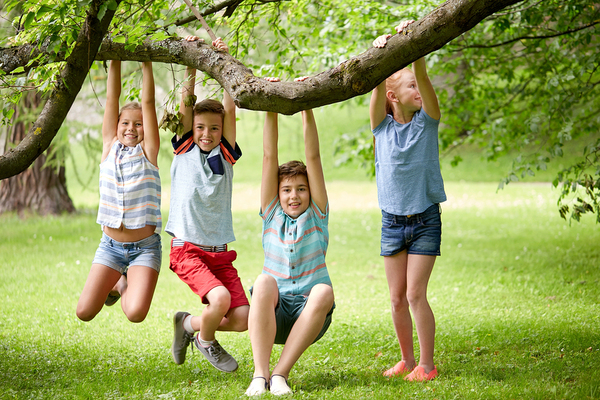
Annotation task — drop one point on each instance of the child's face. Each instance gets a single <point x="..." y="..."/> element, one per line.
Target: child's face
<point x="294" y="195"/>
<point x="405" y="89"/>
<point x="208" y="130"/>
<point x="130" y="130"/>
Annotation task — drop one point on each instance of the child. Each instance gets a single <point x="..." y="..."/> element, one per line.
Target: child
<point x="410" y="188"/>
<point x="201" y="224"/>
<point x="292" y="300"/>
<point x="127" y="262"/>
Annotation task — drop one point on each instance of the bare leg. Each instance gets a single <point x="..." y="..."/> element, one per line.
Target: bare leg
<point x="418" y="272"/>
<point x="236" y="320"/>
<point x="137" y="294"/>
<point x="396" y="273"/>
<point x="213" y="314"/>
<point x="99" y="283"/>
<point x="306" y="329"/>
<point x="261" y="323"/>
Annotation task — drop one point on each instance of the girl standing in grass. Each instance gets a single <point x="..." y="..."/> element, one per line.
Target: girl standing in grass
<point x="127" y="262"/>
<point x="405" y="114"/>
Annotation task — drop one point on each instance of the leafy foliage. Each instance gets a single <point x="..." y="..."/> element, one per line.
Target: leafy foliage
<point x="523" y="82"/>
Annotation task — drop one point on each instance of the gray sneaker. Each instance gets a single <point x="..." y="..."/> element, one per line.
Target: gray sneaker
<point x="217" y="356"/>
<point x="181" y="338"/>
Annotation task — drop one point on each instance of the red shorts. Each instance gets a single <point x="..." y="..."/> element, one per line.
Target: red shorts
<point x="203" y="271"/>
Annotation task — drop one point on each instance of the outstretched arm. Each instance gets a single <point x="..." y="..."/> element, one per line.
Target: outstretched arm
<point x="314" y="168"/>
<point x="377" y="105"/>
<point x="430" y="101"/>
<point x="111" y="109"/>
<point x="186" y="106"/>
<point x="229" y="128"/>
<point x="270" y="182"/>
<point x="151" y="142"/>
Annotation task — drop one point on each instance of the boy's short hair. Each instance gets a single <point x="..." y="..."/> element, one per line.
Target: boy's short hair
<point x="291" y="169"/>
<point x="209" y="106"/>
<point x="134" y="105"/>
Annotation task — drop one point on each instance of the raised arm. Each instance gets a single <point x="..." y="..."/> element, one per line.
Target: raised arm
<point x="229" y="125"/>
<point x="151" y="142"/>
<point x="186" y="107"/>
<point x="314" y="168"/>
<point x="430" y="101"/>
<point x="111" y="108"/>
<point x="270" y="183"/>
<point x="377" y="105"/>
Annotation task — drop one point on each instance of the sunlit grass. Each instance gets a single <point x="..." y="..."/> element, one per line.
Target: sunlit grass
<point x="515" y="294"/>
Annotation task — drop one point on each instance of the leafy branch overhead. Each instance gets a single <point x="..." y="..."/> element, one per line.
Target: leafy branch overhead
<point x="513" y="77"/>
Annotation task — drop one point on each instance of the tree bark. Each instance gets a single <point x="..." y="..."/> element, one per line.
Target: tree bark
<point x="39" y="189"/>
<point x="63" y="95"/>
<point x="354" y="77"/>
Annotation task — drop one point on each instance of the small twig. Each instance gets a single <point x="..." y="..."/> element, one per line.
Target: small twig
<point x="202" y="21"/>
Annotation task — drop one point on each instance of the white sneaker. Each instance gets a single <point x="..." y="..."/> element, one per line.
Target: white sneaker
<point x="257" y="387"/>
<point x="279" y="385"/>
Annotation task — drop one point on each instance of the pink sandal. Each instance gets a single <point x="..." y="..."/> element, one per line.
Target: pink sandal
<point x="419" y="375"/>
<point x="396" y="370"/>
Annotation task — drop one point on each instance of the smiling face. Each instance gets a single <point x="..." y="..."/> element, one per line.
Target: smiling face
<point x="294" y="195"/>
<point x="403" y="86"/>
<point x="130" y="130"/>
<point x="208" y="130"/>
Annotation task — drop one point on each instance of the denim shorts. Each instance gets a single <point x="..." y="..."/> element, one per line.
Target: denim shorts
<point x="119" y="256"/>
<point x="287" y="312"/>
<point x="417" y="234"/>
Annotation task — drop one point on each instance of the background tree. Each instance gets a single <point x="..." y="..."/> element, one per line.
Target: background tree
<point x="522" y="80"/>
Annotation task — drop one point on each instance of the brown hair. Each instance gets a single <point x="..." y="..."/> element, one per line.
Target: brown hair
<point x="209" y="106"/>
<point x="291" y="169"/>
<point x="134" y="105"/>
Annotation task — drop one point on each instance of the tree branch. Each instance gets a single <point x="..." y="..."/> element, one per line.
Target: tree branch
<point x="66" y="89"/>
<point x="491" y="46"/>
<point x="354" y="77"/>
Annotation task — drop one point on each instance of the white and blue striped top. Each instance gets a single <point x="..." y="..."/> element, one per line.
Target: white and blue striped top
<point x="129" y="189"/>
<point x="295" y="249"/>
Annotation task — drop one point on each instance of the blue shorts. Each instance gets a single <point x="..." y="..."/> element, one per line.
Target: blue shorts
<point x="417" y="234"/>
<point x="288" y="310"/>
<point x="119" y="256"/>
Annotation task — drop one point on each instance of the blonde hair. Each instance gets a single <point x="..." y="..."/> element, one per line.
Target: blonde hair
<point x="134" y="105"/>
<point x="392" y="83"/>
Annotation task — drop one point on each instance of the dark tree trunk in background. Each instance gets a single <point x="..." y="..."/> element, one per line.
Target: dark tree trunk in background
<point x="37" y="189"/>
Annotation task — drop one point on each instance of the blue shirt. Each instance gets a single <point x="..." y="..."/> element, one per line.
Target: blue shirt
<point x="295" y="248"/>
<point x="407" y="165"/>
<point x="201" y="188"/>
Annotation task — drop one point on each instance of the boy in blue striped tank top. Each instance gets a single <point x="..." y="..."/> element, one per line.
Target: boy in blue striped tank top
<point x="200" y="222"/>
<point x="292" y="300"/>
<point x="127" y="262"/>
<point x="405" y="115"/>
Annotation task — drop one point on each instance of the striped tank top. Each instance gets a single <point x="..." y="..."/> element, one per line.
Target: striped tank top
<point x="129" y="189"/>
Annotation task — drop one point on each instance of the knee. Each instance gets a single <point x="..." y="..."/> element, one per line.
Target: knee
<point x="415" y="298"/>
<point x="399" y="303"/>
<point x="85" y="315"/>
<point x="264" y="287"/>
<point x="219" y="299"/>
<point x="322" y="296"/>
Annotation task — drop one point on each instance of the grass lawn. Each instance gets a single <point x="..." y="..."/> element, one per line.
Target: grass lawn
<point x="515" y="293"/>
<point x="516" y="296"/>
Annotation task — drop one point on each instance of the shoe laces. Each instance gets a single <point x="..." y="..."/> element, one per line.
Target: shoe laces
<point x="215" y="350"/>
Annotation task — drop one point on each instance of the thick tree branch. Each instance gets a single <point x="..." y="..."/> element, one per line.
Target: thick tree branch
<point x="354" y="77"/>
<point x="56" y="108"/>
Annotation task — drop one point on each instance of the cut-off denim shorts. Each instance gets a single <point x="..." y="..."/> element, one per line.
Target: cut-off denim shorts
<point x="417" y="234"/>
<point x="120" y="255"/>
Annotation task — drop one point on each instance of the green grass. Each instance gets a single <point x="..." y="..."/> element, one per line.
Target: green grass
<point x="515" y="294"/>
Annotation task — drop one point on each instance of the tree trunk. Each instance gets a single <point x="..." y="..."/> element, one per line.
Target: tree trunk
<point x="42" y="190"/>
